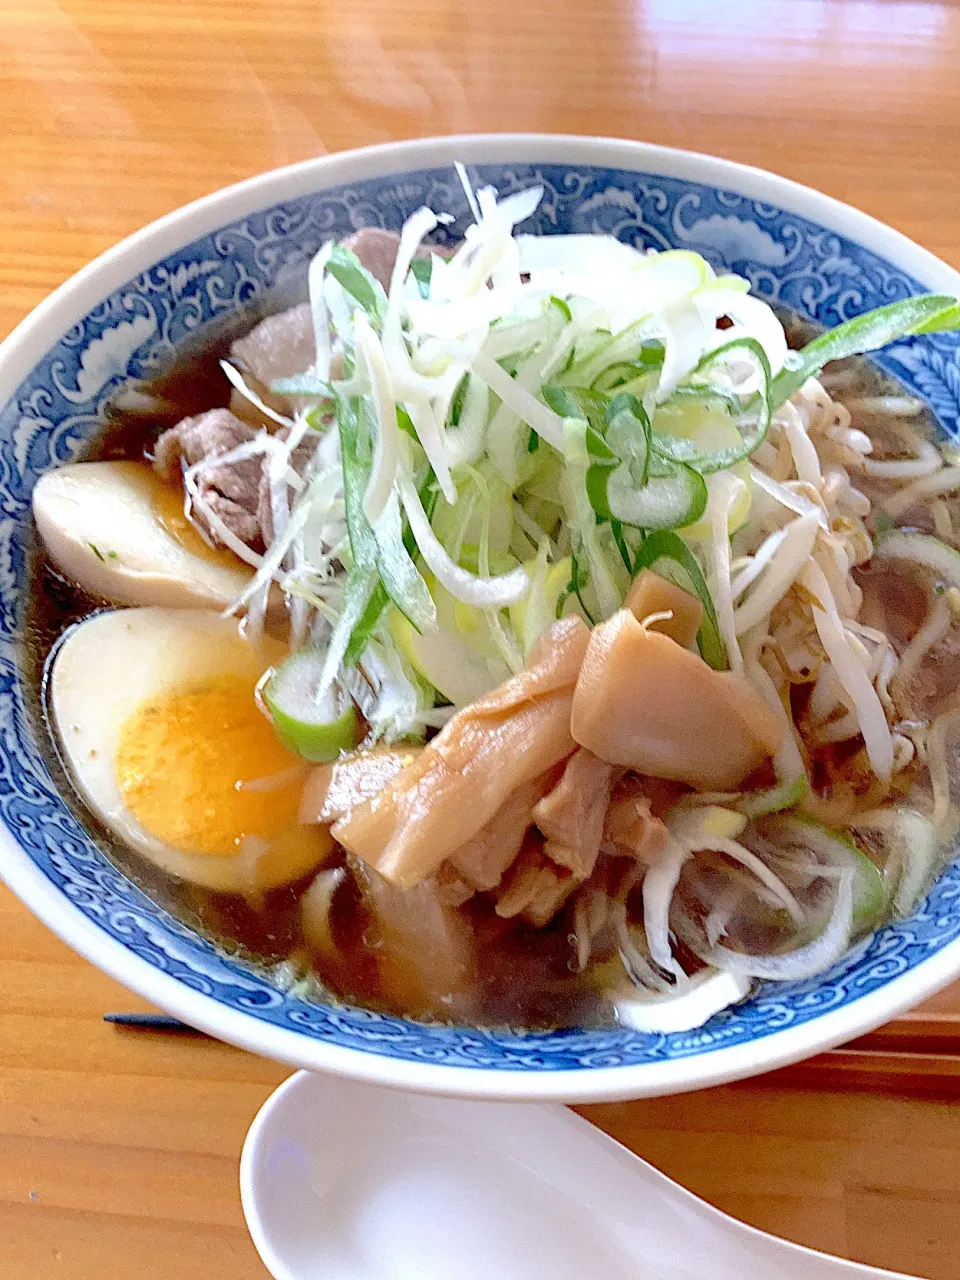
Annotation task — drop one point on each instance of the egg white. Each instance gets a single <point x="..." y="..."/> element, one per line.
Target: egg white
<point x="104" y="669"/>
<point x="99" y="524"/>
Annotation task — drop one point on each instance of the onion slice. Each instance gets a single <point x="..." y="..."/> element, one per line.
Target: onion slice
<point x="659" y="885"/>
<point x="922" y="549"/>
<point x="803" y="962"/>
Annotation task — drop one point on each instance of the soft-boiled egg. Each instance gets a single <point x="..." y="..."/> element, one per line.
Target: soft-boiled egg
<point x="156" y="713"/>
<point x="120" y="532"/>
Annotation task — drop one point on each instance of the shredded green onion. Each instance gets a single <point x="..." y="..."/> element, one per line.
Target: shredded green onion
<point x="571" y="397"/>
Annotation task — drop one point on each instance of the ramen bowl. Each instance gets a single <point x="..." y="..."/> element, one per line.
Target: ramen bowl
<point x="122" y="318"/>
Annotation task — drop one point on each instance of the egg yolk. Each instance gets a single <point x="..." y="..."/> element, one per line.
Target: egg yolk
<point x="182" y="762"/>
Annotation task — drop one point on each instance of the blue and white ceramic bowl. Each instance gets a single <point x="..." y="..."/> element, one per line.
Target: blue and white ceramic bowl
<point x="121" y="318"/>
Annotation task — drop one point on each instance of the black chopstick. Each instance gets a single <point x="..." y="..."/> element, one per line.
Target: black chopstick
<point x="150" y="1022"/>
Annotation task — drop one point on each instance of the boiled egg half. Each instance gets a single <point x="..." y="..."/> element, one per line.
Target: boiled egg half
<point x="156" y="713"/>
<point x="120" y="532"/>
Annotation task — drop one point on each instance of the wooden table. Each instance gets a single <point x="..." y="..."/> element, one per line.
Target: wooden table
<point x="118" y="1151"/>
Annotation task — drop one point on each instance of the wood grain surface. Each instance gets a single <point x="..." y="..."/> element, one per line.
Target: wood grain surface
<point x="118" y="1150"/>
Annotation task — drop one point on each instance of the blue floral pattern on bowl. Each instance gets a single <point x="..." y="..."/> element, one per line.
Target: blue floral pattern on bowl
<point x="132" y="334"/>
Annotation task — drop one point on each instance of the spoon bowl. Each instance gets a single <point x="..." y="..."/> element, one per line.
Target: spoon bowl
<point x="342" y="1181"/>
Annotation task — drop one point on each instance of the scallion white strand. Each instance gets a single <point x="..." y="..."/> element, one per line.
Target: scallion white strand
<point x="467" y="185"/>
<point x="319" y="311"/>
<point x="537" y="369"/>
<point x="386" y="447"/>
<point x="751" y="317"/>
<point x="683" y="330"/>
<point x="518" y="207"/>
<point x="432" y="437"/>
<point x="276" y="478"/>
<point x="235" y="378"/>
<point x="497" y="592"/>
<point x="512" y="339"/>
<point x="467" y="315"/>
<point x="271" y="563"/>
<point x="261" y="443"/>
<point x="278" y="452"/>
<point x="503" y="430"/>
<point x="526" y="522"/>
<point x="420" y="223"/>
<point x="279" y="470"/>
<point x="412" y="389"/>
<point x="525" y="405"/>
<point x="488" y="252"/>
<point x="437" y="360"/>
<point x="464" y="442"/>
<point x="299" y="607"/>
<point x="557" y="355"/>
<point x="194" y="501"/>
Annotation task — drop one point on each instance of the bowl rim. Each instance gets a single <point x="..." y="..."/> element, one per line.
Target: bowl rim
<point x="69" y="303"/>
